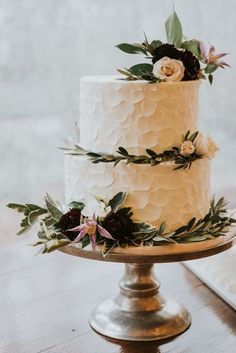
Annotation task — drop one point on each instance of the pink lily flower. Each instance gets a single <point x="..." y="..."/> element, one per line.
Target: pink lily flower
<point x="211" y="57"/>
<point x="90" y="227"/>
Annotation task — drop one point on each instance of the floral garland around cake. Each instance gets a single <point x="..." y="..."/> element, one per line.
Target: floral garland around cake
<point x="177" y="60"/>
<point x="193" y="147"/>
<point x="110" y="224"/>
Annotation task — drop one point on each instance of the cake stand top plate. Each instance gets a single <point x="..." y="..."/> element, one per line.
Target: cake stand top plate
<point x="157" y="254"/>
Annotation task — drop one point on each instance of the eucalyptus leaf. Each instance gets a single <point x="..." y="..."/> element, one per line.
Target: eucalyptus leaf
<point x="140" y="69"/>
<point x="162" y="228"/>
<point x="193" y="46"/>
<point x="174" y="30"/>
<point x="131" y="48"/>
<point x="210" y="78"/>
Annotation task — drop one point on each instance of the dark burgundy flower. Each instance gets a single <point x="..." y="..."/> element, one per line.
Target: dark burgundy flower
<point x="70" y="220"/>
<point x="120" y="224"/>
<point x="189" y="60"/>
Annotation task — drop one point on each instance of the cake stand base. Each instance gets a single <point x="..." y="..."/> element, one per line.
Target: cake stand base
<point x="139" y="312"/>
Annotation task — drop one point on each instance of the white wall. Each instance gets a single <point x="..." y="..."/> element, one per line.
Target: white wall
<point x="46" y="45"/>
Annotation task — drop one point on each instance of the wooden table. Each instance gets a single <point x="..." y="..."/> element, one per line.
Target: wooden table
<point x="46" y="300"/>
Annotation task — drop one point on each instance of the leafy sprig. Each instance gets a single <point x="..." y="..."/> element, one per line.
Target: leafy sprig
<point x="48" y="217"/>
<point x="151" y="157"/>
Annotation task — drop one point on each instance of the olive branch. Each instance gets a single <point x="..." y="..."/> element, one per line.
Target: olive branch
<point x="151" y="157"/>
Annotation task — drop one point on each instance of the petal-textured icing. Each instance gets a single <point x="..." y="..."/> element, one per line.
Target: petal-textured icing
<point x="135" y="114"/>
<point x="139" y="115"/>
<point x="155" y="193"/>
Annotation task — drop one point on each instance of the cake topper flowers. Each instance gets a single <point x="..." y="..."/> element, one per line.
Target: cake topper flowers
<point x="174" y="61"/>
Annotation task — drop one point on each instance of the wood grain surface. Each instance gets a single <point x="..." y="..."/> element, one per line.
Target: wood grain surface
<point x="45" y="302"/>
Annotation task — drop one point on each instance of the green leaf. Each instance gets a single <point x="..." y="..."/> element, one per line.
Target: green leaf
<point x="58" y="244"/>
<point x="53" y="208"/>
<point x="17" y="207"/>
<point x="140" y="69"/>
<point x="117" y="162"/>
<point x="193" y="46"/>
<point x="33" y="216"/>
<point x="185" y="137"/>
<point x="85" y="241"/>
<point x="174" y="30"/>
<point x="210" y="78"/>
<point x="31" y="212"/>
<point x="193" y="136"/>
<point x="191" y="223"/>
<point x="131" y="48"/>
<point x="27" y="208"/>
<point x="162" y="228"/>
<point x="181" y="230"/>
<point x="25" y="226"/>
<point x="198" y="238"/>
<point x="117" y="201"/>
<point x="156" y="43"/>
<point x="77" y="204"/>
<point x="93" y="155"/>
<point x="180" y="167"/>
<point x="151" y="152"/>
<point x="210" y="68"/>
<point x="122" y="151"/>
<point x="126" y="73"/>
<point x="108" y="247"/>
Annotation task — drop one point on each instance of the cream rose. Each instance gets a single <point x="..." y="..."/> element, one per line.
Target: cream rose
<point x="170" y="70"/>
<point x="205" y="145"/>
<point x="187" y="148"/>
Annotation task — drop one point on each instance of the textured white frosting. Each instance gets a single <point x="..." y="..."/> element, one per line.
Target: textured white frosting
<point x="155" y="193"/>
<point x="139" y="115"/>
<point x="135" y="114"/>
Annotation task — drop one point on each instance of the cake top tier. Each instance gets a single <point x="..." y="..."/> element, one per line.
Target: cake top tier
<point x="135" y="114"/>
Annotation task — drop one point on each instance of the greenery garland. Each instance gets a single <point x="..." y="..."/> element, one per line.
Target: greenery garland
<point x="53" y="234"/>
<point x="171" y="155"/>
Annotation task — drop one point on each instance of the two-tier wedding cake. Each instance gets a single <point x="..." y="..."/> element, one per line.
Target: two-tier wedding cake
<point x="139" y="175"/>
<point x="139" y="116"/>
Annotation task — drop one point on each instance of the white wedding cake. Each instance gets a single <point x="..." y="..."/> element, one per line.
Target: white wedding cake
<point x="139" y="175"/>
<point x="139" y="115"/>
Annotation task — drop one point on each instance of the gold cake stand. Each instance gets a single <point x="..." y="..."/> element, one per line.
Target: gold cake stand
<point x="139" y="312"/>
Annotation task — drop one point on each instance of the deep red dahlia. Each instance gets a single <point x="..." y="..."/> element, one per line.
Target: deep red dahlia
<point x="70" y="220"/>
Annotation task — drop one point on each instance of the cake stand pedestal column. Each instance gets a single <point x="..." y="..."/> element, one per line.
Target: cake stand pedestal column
<point x="139" y="312"/>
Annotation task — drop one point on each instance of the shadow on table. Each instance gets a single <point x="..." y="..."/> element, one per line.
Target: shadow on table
<point x="139" y="347"/>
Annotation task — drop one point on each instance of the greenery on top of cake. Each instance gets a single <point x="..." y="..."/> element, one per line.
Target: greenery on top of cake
<point x="177" y="60"/>
<point x="110" y="224"/>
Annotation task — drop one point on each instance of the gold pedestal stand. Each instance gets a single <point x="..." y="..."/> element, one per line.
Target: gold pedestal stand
<point x="139" y="312"/>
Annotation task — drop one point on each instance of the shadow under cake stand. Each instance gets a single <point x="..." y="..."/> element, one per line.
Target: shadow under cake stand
<point x="139" y="312"/>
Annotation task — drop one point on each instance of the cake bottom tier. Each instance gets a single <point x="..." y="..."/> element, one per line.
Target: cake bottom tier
<point x="155" y="193"/>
